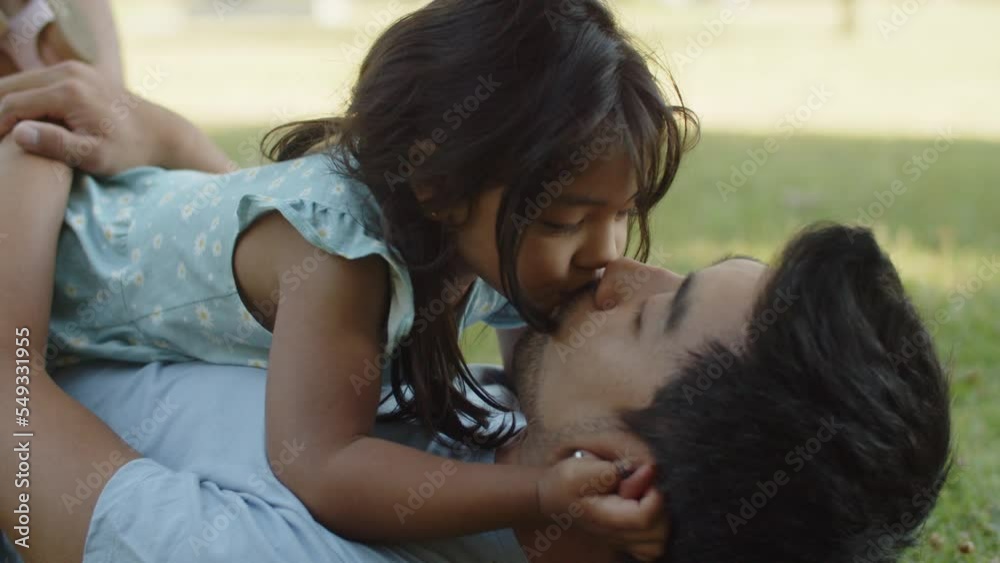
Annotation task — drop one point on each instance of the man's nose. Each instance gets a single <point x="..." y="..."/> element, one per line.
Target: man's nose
<point x="625" y="278"/>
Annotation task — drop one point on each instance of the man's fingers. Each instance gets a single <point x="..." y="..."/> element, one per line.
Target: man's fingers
<point x="55" y="142"/>
<point x="40" y="77"/>
<point x="26" y="80"/>
<point x="49" y="101"/>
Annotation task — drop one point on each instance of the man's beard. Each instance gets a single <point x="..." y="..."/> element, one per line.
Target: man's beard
<point x="530" y="349"/>
<point x="525" y="368"/>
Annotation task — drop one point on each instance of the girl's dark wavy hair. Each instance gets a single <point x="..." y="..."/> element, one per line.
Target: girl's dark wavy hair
<point x="540" y="79"/>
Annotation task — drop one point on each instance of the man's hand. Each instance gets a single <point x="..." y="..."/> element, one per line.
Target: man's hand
<point x="104" y="131"/>
<point x="623" y="509"/>
<point x="72" y="113"/>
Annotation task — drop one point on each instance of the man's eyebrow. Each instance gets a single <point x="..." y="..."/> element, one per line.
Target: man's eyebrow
<point x="682" y="300"/>
<point x="574" y="199"/>
<point x="680" y="304"/>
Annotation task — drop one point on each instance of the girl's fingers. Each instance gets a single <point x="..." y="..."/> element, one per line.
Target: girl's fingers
<point x="635" y="485"/>
<point x="597" y="477"/>
<point x="618" y="514"/>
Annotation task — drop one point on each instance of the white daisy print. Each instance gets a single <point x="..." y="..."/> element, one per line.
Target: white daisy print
<point x="323" y="232"/>
<point x="167" y="198"/>
<point x="158" y="241"/>
<point x="306" y="192"/>
<point x="125" y="199"/>
<point x="276" y="183"/>
<point x="204" y="316"/>
<point x="70" y="290"/>
<point x="257" y="363"/>
<point x="108" y="233"/>
<point x="78" y="341"/>
<point x="124" y="213"/>
<point x="298" y="164"/>
<point x="217" y="248"/>
<point x="200" y="243"/>
<point x="78" y="220"/>
<point x="161" y="344"/>
<point x="187" y="211"/>
<point x="148" y="182"/>
<point x="215" y="223"/>
<point x="252" y="173"/>
<point x="216" y="201"/>
<point x="308" y="173"/>
<point x="182" y="271"/>
<point x="157" y="316"/>
<point x="136" y="255"/>
<point x="139" y="279"/>
<point x="338" y="189"/>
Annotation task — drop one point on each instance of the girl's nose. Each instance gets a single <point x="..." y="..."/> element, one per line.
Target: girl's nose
<point x="625" y="278"/>
<point x="600" y="248"/>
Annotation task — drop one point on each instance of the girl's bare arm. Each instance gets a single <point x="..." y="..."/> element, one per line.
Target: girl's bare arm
<point x="321" y="396"/>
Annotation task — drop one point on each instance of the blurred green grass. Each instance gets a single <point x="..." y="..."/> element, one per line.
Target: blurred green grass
<point x="238" y="77"/>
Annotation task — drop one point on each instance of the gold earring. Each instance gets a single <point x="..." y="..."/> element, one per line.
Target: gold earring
<point x="434" y="215"/>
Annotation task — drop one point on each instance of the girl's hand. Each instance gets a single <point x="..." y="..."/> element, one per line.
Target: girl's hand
<point x="609" y="500"/>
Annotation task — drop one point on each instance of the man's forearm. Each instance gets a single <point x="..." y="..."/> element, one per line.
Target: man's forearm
<point x="184" y="146"/>
<point x="375" y="490"/>
<point x="102" y="24"/>
<point x="33" y="196"/>
<point x="49" y="440"/>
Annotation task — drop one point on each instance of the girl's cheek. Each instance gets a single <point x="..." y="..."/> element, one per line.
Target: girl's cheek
<point x="541" y="271"/>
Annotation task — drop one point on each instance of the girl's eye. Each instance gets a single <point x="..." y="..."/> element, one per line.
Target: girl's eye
<point x="560" y="228"/>
<point x="631" y="212"/>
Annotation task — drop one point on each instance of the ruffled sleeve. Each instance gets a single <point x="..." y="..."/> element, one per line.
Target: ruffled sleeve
<point x="347" y="229"/>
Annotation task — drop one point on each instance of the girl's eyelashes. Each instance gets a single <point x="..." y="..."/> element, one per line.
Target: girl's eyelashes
<point x="561" y="228"/>
<point x="630" y="212"/>
<point x="568" y="228"/>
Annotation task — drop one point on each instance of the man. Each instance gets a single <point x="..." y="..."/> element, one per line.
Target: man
<point x="795" y="413"/>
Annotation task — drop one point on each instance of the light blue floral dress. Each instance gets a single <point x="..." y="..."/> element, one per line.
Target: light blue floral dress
<point x="144" y="264"/>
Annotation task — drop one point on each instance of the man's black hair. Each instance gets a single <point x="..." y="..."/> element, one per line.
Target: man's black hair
<point x="824" y="436"/>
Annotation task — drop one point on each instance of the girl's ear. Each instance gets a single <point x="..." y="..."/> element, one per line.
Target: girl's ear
<point x="423" y="193"/>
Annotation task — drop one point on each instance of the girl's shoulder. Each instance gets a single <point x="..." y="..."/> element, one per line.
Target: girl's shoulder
<point x="334" y="213"/>
<point x="329" y="208"/>
<point x="313" y="177"/>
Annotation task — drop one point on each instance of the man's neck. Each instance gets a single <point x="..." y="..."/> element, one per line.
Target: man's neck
<point x="561" y="538"/>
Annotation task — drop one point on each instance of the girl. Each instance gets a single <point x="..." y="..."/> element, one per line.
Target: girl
<point x="487" y="182"/>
